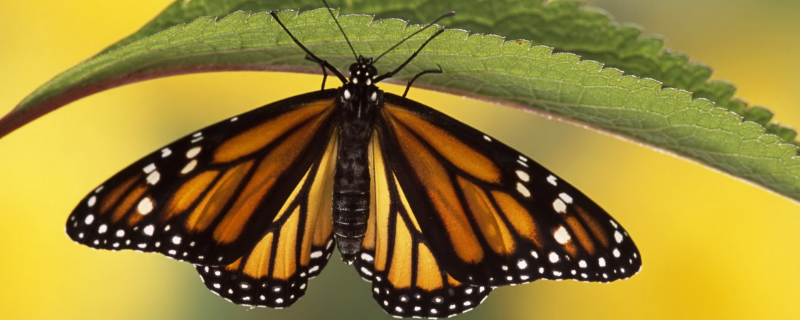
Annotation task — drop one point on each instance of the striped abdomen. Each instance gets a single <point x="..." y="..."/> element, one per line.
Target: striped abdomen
<point x="351" y="185"/>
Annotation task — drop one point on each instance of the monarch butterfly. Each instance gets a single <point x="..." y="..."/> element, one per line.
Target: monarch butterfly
<point x="432" y="212"/>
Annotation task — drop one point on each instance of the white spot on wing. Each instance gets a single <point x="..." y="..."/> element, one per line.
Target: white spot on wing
<point x="165" y="152"/>
<point x="89" y="219"/>
<point x="618" y="236"/>
<point x="522" y="190"/>
<point x="153" y="177"/>
<point x="145" y="206"/>
<point x="560" y="206"/>
<point x="561" y="235"/>
<point x="193" y="152"/>
<point x="189" y="166"/>
<point x="148" y="230"/>
<point x="552" y="180"/>
<point x="366" y="257"/>
<point x="523" y="176"/>
<point x="553" y="257"/>
<point x="91" y="201"/>
<point x="565" y="197"/>
<point x="149" y="168"/>
<point x="366" y="271"/>
<point x="487" y="138"/>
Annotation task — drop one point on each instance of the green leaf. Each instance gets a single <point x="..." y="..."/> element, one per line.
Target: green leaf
<point x="564" y="25"/>
<point x="513" y="73"/>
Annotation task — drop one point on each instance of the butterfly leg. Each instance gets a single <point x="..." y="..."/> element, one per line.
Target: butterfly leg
<point x="419" y="75"/>
<point x="324" y="71"/>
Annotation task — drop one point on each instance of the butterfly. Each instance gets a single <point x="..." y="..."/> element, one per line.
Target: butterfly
<point x="434" y="213"/>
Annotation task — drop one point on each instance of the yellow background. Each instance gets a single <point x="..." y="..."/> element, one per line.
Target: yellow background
<point x="713" y="246"/>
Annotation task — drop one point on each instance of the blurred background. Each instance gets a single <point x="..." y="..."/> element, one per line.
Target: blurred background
<point x="713" y="247"/>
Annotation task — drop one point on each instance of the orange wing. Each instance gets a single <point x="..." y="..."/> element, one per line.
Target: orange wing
<point x="490" y="215"/>
<point x="295" y="248"/>
<point x="208" y="198"/>
<point x="407" y="280"/>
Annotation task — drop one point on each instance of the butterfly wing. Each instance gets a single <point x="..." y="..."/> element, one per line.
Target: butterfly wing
<point x="490" y="215"/>
<point x="209" y="197"/>
<point x="407" y="281"/>
<point x="297" y="245"/>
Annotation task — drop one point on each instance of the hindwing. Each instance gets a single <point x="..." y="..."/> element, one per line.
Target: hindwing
<point x="407" y="280"/>
<point x="295" y="248"/>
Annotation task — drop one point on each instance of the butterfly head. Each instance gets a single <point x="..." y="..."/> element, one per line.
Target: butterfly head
<point x="362" y="72"/>
<point x="360" y="93"/>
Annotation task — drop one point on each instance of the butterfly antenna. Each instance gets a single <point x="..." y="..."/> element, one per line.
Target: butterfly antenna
<point x="413" y="55"/>
<point x="449" y="14"/>
<point x="309" y="55"/>
<point x="340" y="29"/>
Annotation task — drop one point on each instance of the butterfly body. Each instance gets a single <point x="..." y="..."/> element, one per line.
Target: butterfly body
<point x="358" y="102"/>
<point x="434" y="213"/>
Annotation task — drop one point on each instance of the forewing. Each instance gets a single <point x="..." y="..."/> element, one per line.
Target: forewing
<point x="295" y="248"/>
<point x="491" y="215"/>
<point x="407" y="281"/>
<point x="208" y="198"/>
